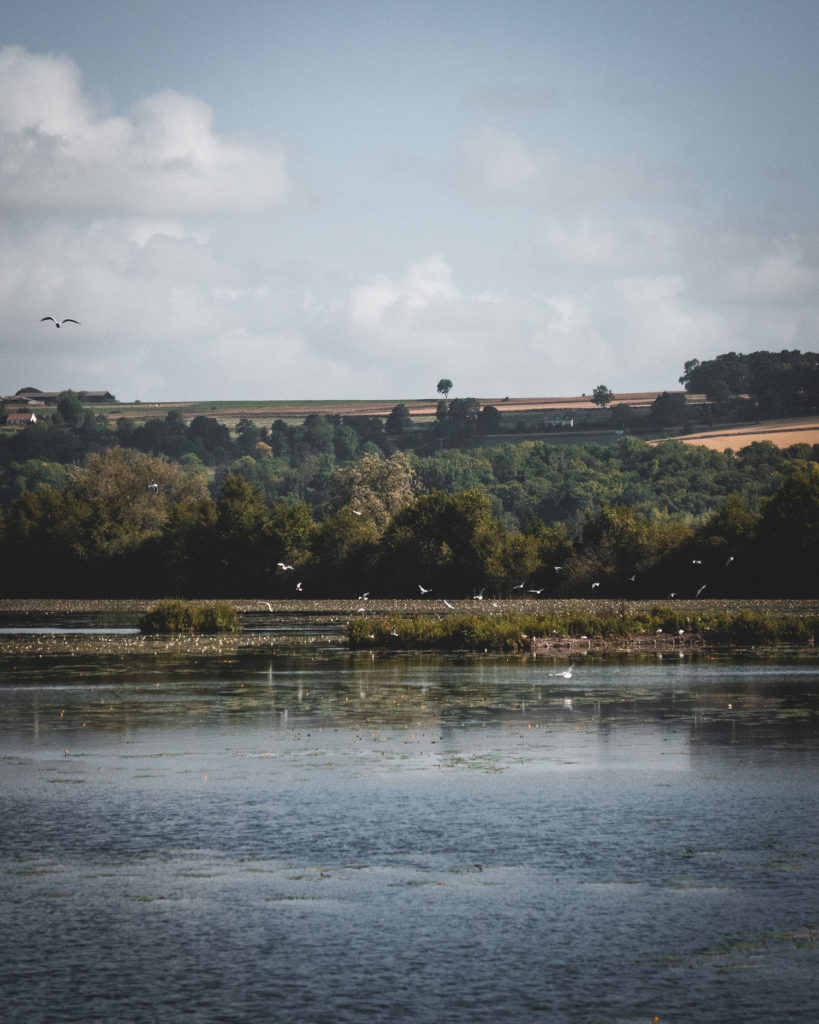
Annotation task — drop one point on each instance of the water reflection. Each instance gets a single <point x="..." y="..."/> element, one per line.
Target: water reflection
<point x="719" y="703"/>
<point x="327" y="837"/>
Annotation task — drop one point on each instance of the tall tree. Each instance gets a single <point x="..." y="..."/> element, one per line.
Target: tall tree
<point x="602" y="396"/>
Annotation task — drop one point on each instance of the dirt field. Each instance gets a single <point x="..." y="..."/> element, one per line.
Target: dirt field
<point x="782" y="433"/>
<point x="296" y="410"/>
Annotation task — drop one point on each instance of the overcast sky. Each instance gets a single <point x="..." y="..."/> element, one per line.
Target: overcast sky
<point x="353" y="199"/>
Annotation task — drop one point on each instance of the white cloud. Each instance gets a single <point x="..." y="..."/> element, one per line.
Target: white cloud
<point x="592" y="243"/>
<point x="577" y="276"/>
<point x="426" y="282"/>
<point x="780" y="276"/>
<point x="499" y="163"/>
<point x="58" y="151"/>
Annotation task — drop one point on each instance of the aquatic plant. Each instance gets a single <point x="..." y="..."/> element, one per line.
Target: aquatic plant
<point x="514" y="631"/>
<point x="175" y="616"/>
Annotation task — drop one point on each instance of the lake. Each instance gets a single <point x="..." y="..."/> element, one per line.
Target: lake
<point x="319" y="836"/>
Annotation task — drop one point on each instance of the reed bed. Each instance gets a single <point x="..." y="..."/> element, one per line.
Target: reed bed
<point x="511" y="632"/>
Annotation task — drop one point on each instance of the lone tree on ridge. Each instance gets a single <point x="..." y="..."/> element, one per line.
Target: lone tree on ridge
<point x="602" y="396"/>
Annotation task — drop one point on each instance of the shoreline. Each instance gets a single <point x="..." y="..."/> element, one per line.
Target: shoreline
<point x="411" y="606"/>
<point x="47" y="628"/>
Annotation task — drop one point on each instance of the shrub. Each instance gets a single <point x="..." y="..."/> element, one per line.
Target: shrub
<point x="174" y="616"/>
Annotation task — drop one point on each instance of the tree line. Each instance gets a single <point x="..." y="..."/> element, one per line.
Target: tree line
<point x="130" y="524"/>
<point x="356" y="502"/>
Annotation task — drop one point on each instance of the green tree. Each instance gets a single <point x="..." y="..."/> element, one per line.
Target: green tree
<point x="70" y="408"/>
<point x="444" y="386"/>
<point x="787" y="547"/>
<point x="399" y="420"/>
<point x="668" y="409"/>
<point x="248" y="435"/>
<point x="243" y="565"/>
<point x="450" y="543"/>
<point x="602" y="396"/>
<point x="375" y="487"/>
<point x="489" y="420"/>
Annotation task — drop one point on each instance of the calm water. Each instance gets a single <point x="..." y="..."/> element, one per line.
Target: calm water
<point x="335" y="838"/>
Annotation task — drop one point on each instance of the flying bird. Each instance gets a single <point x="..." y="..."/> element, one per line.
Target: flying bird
<point x="59" y="323"/>
<point x="448" y="604"/>
<point x="283" y="567"/>
<point x="424" y="590"/>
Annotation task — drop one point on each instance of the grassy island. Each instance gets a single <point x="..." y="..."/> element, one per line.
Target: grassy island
<point x="174" y="616"/>
<point x="658" y="626"/>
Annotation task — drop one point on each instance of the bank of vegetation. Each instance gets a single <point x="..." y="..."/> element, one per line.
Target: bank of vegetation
<point x="175" y="616"/>
<point x="572" y="630"/>
<point x="341" y="506"/>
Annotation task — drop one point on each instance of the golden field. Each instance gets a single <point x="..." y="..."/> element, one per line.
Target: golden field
<point x="782" y="433"/>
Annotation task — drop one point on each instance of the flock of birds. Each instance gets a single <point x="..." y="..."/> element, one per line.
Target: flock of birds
<point x="479" y="595"/>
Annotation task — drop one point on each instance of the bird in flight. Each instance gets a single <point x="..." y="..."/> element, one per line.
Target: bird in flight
<point x="424" y="590"/>
<point x="59" y="323"/>
<point x="284" y="568"/>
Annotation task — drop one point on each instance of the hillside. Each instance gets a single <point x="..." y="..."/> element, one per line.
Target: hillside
<point x="420" y="408"/>
<point x="782" y="433"/>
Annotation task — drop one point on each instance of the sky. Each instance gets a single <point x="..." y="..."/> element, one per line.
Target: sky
<point x="296" y="199"/>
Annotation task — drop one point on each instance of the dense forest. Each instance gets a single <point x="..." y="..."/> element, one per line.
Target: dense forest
<point x="95" y="507"/>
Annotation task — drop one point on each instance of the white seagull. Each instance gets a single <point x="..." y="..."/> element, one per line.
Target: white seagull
<point x="59" y="323"/>
<point x="283" y="567"/>
<point x="424" y="590"/>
